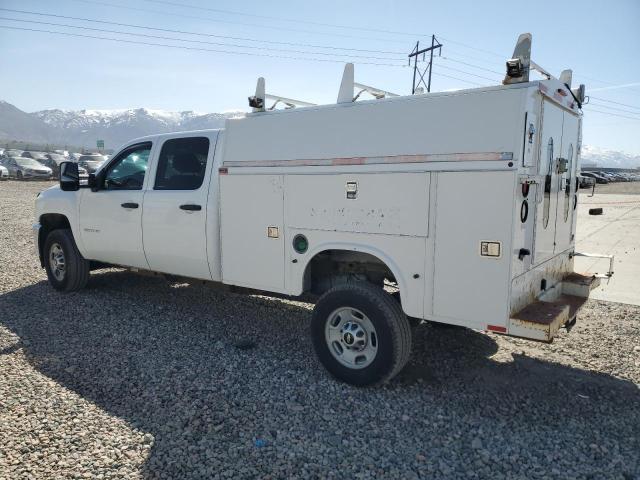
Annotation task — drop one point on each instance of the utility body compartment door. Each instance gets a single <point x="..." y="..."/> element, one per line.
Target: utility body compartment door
<point x="252" y="231"/>
<point x="473" y="231"/>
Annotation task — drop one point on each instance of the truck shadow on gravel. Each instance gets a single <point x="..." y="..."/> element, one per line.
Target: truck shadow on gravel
<point x="229" y="383"/>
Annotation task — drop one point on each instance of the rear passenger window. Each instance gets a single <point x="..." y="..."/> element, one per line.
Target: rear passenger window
<point x="182" y="164"/>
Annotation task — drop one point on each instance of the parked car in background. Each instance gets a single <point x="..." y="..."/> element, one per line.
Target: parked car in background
<point x="4" y="173"/>
<point x="585" y="181"/>
<point x="74" y="157"/>
<point x="53" y="161"/>
<point x="64" y="153"/>
<point x="24" y="168"/>
<point x="39" y="156"/>
<point x="598" y="178"/>
<point x="91" y="162"/>
<point x="12" y="153"/>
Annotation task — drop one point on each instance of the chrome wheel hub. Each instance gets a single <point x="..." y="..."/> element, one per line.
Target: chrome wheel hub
<point x="57" y="261"/>
<point x="351" y="338"/>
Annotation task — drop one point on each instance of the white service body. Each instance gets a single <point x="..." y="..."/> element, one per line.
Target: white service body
<point x="429" y="186"/>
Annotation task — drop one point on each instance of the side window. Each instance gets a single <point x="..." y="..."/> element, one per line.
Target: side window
<point x="182" y="164"/>
<point x="547" y="185"/>
<point x="128" y="169"/>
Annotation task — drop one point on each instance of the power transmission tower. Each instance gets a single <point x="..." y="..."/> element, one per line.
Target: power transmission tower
<point x="435" y="44"/>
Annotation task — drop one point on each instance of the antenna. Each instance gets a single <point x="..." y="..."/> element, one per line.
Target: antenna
<point x="435" y="44"/>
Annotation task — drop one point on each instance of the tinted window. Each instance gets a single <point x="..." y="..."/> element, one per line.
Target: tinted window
<point x="182" y="163"/>
<point x="128" y="170"/>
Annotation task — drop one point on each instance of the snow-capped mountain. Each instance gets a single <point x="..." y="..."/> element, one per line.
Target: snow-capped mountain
<point x="83" y="127"/>
<point x="608" y="158"/>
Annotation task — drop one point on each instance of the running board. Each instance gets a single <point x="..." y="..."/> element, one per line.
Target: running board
<point x="542" y="320"/>
<point x="556" y="307"/>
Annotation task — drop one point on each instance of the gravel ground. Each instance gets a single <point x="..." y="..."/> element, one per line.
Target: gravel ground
<point x="140" y="377"/>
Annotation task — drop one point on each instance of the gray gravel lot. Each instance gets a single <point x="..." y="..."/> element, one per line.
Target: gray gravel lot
<point x="140" y="377"/>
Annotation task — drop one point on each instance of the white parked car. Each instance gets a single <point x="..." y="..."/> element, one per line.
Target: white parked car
<point x="4" y="173"/>
<point x="23" y="168"/>
<point x="443" y="198"/>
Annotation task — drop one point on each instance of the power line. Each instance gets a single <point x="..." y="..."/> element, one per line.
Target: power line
<point x="470" y="65"/>
<point x="601" y="105"/>
<point x="468" y="73"/>
<point x="183" y="47"/>
<point x="160" y="37"/>
<point x="211" y="19"/>
<point x="245" y="39"/>
<point x="613" y="114"/>
<point x="611" y="101"/>
<point x="284" y="19"/>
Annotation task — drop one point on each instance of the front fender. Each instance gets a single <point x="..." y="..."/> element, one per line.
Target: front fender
<point x="55" y="201"/>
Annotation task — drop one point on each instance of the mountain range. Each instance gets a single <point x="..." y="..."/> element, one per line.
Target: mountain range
<point x="83" y="127"/>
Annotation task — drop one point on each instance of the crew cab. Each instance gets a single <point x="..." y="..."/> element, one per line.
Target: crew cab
<point x="456" y="207"/>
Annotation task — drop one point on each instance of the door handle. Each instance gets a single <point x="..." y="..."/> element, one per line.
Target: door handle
<point x="190" y="207"/>
<point x="129" y="205"/>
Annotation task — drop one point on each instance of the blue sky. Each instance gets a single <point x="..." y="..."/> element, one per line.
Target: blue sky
<point x="599" y="41"/>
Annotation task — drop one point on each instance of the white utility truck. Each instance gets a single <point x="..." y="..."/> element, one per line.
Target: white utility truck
<point x="456" y="207"/>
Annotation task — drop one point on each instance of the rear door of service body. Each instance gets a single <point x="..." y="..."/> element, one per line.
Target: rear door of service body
<point x="175" y="206"/>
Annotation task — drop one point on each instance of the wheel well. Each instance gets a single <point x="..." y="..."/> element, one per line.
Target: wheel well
<point x="332" y="267"/>
<point x="48" y="223"/>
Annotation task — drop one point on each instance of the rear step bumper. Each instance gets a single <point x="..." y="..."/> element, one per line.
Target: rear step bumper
<point x="542" y="319"/>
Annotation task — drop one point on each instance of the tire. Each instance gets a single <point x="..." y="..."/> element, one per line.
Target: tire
<point x="69" y="272"/>
<point x="18" y="175"/>
<point x="355" y="308"/>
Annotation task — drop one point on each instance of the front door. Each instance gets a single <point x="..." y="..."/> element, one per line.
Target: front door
<point x="111" y="217"/>
<point x="175" y="207"/>
<point x="547" y="192"/>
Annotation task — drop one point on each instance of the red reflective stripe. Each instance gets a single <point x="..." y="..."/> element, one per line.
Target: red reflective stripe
<point x="348" y="161"/>
<point x="497" y="328"/>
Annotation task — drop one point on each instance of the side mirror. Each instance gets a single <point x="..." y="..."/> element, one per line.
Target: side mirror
<point x="69" y="177"/>
<point x="93" y="182"/>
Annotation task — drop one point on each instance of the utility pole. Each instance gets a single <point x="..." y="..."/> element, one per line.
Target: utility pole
<point x="435" y="44"/>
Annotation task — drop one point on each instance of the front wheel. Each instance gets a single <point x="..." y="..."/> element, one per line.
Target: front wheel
<point x="18" y="175"/>
<point x="67" y="270"/>
<point x="360" y="334"/>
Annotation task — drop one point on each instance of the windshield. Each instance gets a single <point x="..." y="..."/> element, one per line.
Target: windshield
<point x="27" y="162"/>
<point x="58" y="158"/>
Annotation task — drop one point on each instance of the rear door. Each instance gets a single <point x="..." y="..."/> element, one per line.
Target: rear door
<point x="567" y="194"/>
<point x="547" y="194"/>
<point x="175" y="207"/>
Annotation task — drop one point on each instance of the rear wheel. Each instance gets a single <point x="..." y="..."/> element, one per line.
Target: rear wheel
<point x="19" y="175"/>
<point x="66" y="268"/>
<point x="360" y="334"/>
